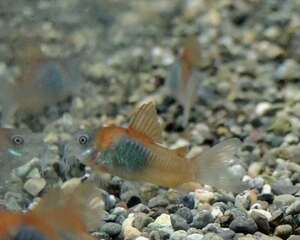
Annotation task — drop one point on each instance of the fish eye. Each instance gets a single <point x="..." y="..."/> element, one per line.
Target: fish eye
<point x="83" y="139"/>
<point x="18" y="140"/>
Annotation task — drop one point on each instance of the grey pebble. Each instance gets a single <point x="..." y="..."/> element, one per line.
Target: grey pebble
<point x="178" y="222"/>
<point x="188" y="201"/>
<point x="141" y="220"/>
<point x="243" y="225"/>
<point x="294" y="237"/>
<point x="185" y="213"/>
<point x="226" y="234"/>
<point x="201" y="219"/>
<point x="112" y="229"/>
<point x="283" y="200"/>
<point x="178" y="235"/>
<point x="212" y="236"/>
<point x="284" y="186"/>
<point x="294" y="208"/>
<point x="158" y="202"/>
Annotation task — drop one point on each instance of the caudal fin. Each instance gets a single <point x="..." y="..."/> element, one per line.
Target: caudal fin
<point x="213" y="166"/>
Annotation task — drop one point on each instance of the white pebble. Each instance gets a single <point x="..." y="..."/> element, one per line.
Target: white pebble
<point x="262" y="108"/>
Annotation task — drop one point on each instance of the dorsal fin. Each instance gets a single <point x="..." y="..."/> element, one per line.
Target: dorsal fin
<point x="145" y="120"/>
<point x="182" y="151"/>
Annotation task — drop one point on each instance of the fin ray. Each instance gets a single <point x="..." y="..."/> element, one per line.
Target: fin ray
<point x="145" y="121"/>
<point x="213" y="166"/>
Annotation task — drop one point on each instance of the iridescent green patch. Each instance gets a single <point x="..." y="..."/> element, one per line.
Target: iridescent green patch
<point x="126" y="154"/>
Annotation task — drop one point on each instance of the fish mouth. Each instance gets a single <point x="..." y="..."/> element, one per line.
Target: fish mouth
<point x="15" y="153"/>
<point x="72" y="155"/>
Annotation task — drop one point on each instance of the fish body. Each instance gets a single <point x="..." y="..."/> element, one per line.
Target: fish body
<point x="183" y="80"/>
<point x="59" y="215"/>
<point x="43" y="81"/>
<point x="17" y="147"/>
<point x="135" y="156"/>
<point x="137" y="153"/>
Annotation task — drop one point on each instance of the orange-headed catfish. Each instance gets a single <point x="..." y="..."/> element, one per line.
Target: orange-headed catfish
<point x="59" y="215"/>
<point x="43" y="81"/>
<point x="183" y="80"/>
<point x="137" y="153"/>
<point x="17" y="147"/>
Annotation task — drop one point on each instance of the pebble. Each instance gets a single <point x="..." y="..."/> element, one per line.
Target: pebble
<point x="142" y="238"/>
<point x="158" y="202"/>
<point x="164" y="220"/>
<point x="204" y="196"/>
<point x="242" y="200"/>
<point x="130" y="232"/>
<point x="262" y="236"/>
<point x="294" y="208"/>
<point x="195" y="236"/>
<point x="283" y="231"/>
<point x="262" y="108"/>
<point x="201" y="219"/>
<point x="288" y="70"/>
<point x="140" y="208"/>
<point x="294" y="237"/>
<point x="178" y="235"/>
<point x="255" y="169"/>
<point x="71" y="184"/>
<point x="35" y="185"/>
<point x="243" y="225"/>
<point x="185" y="213"/>
<point x="261" y="220"/>
<point x="283" y="200"/>
<point x="112" y="229"/>
<point x="188" y="201"/>
<point x="226" y="234"/>
<point x="212" y="236"/>
<point x="178" y="222"/>
<point x="284" y="186"/>
<point x="23" y="170"/>
<point x="276" y="217"/>
<point x="141" y="220"/>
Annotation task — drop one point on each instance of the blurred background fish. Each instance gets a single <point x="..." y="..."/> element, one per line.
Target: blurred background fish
<point x="184" y="79"/>
<point x="136" y="153"/>
<point x="41" y="81"/>
<point x="60" y="214"/>
<point x="18" y="147"/>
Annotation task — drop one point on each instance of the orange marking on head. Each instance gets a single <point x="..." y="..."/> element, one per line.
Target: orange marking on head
<point x="108" y="135"/>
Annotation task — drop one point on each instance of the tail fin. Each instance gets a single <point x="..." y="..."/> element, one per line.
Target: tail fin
<point x="213" y="166"/>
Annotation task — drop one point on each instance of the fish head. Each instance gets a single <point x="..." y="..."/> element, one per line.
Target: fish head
<point x="22" y="144"/>
<point x="81" y="148"/>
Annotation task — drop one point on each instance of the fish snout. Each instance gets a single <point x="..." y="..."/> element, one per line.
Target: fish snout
<point x="74" y="153"/>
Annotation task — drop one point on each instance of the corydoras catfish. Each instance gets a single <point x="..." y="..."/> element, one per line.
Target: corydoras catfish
<point x="137" y="153"/>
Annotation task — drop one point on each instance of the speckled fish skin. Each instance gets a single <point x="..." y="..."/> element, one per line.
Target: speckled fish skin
<point x="137" y="153"/>
<point x="60" y="215"/>
<point x="183" y="80"/>
<point x="17" y="147"/>
<point x="43" y="81"/>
